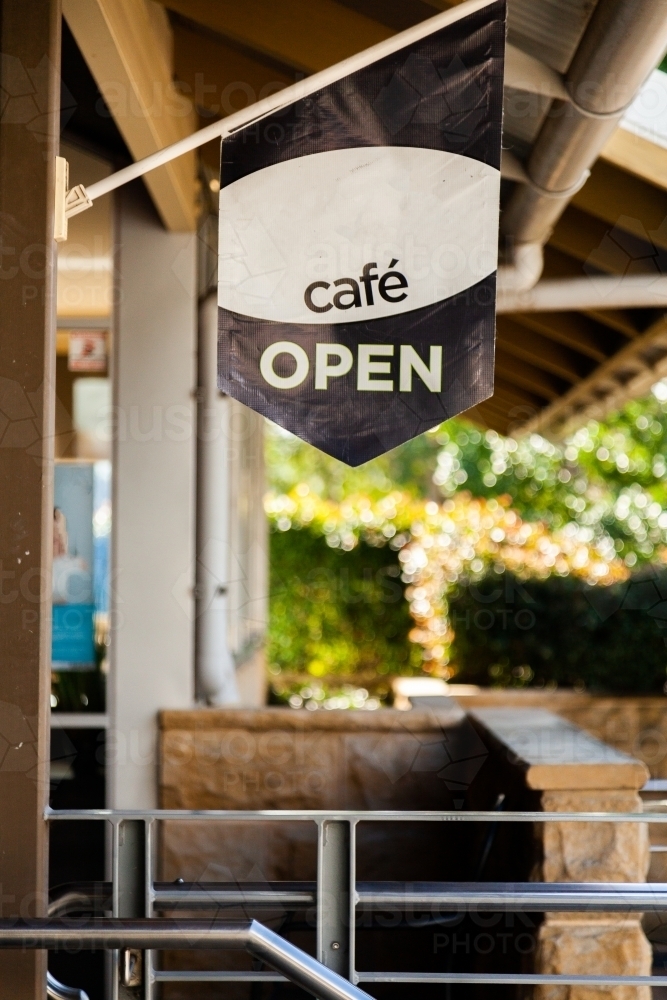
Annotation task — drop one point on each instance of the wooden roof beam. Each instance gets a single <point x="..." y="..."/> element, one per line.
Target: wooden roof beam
<point x="558" y="264"/>
<point x="307" y="36"/>
<point x="638" y="155"/>
<point x="588" y="239"/>
<point x="488" y="418"/>
<point x="631" y="371"/>
<point x="219" y="77"/>
<point x="527" y="376"/>
<point x="575" y="331"/>
<point x="125" y="44"/>
<point x="624" y="321"/>
<point x="511" y="395"/>
<point x="538" y="350"/>
<point x="610" y="193"/>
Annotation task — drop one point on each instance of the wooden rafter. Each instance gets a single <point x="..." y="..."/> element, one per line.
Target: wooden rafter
<point x="125" y="46"/>
<point x="631" y="152"/>
<point x="523" y="343"/>
<point x="575" y="331"/>
<point x="624" y="321"/>
<point x="220" y="77"/>
<point x="512" y="395"/>
<point x="610" y="249"/>
<point x="611" y="192"/>
<point x="307" y="36"/>
<point x="629" y="371"/>
<point x="558" y="264"/>
<point x="527" y="376"/>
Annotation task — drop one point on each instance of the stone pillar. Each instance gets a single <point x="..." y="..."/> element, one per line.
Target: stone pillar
<point x="606" y="943"/>
<point x="575" y="772"/>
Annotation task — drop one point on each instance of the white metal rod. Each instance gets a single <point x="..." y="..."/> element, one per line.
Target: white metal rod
<point x="635" y="291"/>
<point x="297" y="91"/>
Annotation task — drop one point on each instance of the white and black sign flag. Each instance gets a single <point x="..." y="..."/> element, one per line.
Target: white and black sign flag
<point x="358" y="245"/>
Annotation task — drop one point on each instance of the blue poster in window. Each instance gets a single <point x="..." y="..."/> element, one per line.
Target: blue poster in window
<point x="73" y="637"/>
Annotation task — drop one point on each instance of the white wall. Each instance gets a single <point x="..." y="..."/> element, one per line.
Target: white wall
<point x="249" y="552"/>
<point x="152" y="655"/>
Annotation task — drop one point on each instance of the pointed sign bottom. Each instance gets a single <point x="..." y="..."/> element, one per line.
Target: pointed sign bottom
<point x="352" y="424"/>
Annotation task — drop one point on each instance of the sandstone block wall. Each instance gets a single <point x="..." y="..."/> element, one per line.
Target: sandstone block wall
<point x="281" y="759"/>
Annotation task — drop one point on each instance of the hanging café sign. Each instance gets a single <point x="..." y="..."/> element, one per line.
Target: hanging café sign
<point x="358" y="245"/>
<point x="358" y="236"/>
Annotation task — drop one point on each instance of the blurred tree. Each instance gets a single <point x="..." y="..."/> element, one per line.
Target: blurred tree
<point x="604" y="490"/>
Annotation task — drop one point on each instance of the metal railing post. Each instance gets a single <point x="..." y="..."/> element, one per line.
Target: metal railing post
<point x="130" y="898"/>
<point x="150" y="832"/>
<point x="334" y="863"/>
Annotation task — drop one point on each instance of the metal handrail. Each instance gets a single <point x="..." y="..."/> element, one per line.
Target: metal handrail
<point x="355" y="816"/>
<point x="58" y="991"/>
<point x="133" y="862"/>
<point x="295" y="965"/>
<point x="536" y="897"/>
<point x="514" y="897"/>
<point x="112" y="933"/>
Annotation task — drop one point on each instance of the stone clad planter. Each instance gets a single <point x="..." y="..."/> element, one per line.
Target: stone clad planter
<point x="428" y="758"/>
<point x="276" y="758"/>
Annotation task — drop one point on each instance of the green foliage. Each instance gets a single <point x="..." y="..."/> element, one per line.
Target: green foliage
<point x="610" y="478"/>
<point x="408" y="468"/>
<point x="562" y="632"/>
<point x="335" y="614"/>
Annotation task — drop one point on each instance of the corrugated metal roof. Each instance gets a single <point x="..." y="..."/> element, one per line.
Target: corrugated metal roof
<point x="550" y="30"/>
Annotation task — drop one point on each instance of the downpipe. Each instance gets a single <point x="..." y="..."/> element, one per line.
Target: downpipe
<point x="524" y="271"/>
<point x="215" y="666"/>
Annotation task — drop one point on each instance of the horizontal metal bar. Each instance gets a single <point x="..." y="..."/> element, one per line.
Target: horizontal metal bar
<point x="81" y="720"/>
<point x="147" y="934"/>
<point x="507" y="979"/>
<point x="511" y="897"/>
<point x="377" y="816"/>
<point x="106" y="933"/>
<point x="185" y="895"/>
<point x="199" y="976"/>
<point x="539" y="897"/>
